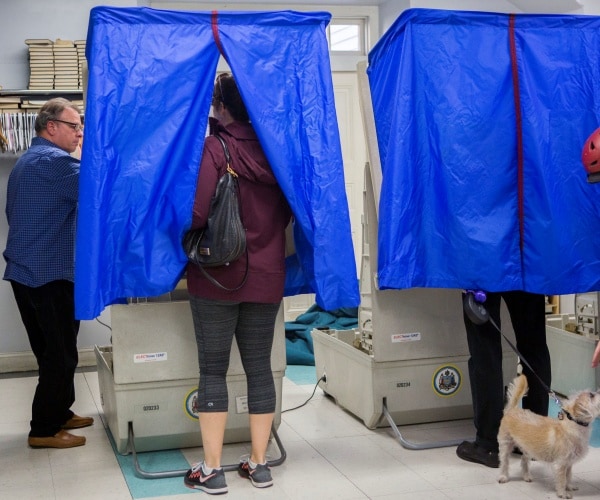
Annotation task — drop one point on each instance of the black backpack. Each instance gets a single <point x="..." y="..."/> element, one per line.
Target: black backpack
<point x="223" y="240"/>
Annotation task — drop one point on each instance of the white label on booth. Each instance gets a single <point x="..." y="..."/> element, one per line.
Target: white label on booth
<point x="241" y="404"/>
<point x="406" y="337"/>
<point x="150" y="357"/>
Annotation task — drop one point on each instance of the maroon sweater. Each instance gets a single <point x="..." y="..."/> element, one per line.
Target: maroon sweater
<point x="265" y="214"/>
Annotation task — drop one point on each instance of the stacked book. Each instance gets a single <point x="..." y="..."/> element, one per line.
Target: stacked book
<point x="10" y="104"/>
<point x="32" y="105"/>
<point x="81" y="61"/>
<point x="41" y="63"/>
<point x="66" y="72"/>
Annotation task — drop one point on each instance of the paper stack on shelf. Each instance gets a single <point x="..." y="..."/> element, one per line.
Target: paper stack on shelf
<point x="80" y="45"/>
<point x="66" y="74"/>
<point x="32" y="105"/>
<point x="10" y="104"/>
<point x="41" y="63"/>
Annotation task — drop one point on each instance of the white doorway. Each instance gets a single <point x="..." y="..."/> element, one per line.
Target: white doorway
<point x="354" y="155"/>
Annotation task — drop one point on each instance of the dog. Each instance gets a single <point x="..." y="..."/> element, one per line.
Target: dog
<point x="560" y="442"/>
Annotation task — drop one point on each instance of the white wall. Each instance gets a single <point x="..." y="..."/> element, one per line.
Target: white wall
<point x="567" y="304"/>
<point x="21" y="19"/>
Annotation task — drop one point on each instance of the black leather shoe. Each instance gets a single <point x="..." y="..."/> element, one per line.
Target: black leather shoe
<point x="472" y="453"/>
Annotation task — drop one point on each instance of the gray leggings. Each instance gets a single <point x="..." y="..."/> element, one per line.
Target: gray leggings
<point x="216" y="323"/>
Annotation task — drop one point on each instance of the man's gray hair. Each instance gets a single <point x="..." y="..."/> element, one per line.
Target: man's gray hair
<point x="52" y="110"/>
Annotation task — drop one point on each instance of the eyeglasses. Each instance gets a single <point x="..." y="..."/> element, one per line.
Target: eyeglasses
<point x="77" y="127"/>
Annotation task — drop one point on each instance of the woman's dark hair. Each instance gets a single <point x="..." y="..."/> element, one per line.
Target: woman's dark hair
<point x="226" y="91"/>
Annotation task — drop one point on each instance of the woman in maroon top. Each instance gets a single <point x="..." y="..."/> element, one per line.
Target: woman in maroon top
<point x="248" y="313"/>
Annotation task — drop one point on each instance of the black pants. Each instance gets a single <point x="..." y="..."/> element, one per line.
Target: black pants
<point x="527" y="314"/>
<point x="48" y="313"/>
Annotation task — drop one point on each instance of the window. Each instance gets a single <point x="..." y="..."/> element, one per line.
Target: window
<point x="347" y="36"/>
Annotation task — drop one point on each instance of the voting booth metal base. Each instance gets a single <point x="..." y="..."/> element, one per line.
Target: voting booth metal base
<point x="148" y="379"/>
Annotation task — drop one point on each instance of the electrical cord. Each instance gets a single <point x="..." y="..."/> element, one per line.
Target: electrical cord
<point x="104" y="324"/>
<point x="322" y="379"/>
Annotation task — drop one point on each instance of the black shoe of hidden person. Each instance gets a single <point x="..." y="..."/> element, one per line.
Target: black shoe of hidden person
<point x="471" y="452"/>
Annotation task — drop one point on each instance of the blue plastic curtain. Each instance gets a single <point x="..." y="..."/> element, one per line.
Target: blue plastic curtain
<point x="151" y="75"/>
<point x="480" y="121"/>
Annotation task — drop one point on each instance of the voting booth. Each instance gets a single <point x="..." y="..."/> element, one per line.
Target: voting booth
<point x="148" y="376"/>
<point x="406" y="363"/>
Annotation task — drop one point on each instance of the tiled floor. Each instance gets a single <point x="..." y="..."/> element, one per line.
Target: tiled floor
<point x="330" y="455"/>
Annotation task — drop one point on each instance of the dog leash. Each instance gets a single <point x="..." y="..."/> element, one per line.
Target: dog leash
<point x="561" y="411"/>
<point x="478" y="314"/>
<point x="525" y="362"/>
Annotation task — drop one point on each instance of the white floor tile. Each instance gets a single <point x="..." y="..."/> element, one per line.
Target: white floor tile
<point x="490" y="491"/>
<point x="414" y="495"/>
<point x="322" y="419"/>
<point x="330" y="454"/>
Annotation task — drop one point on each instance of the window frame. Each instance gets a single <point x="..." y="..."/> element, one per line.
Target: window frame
<point x="361" y="23"/>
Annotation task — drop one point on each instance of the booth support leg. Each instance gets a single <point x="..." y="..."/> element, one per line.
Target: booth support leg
<point x="416" y="446"/>
<point x="176" y="473"/>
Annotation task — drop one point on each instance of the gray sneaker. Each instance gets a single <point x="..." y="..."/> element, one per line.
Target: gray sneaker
<point x="213" y="483"/>
<point x="260" y="476"/>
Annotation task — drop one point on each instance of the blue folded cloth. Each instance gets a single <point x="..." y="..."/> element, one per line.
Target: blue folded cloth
<point x="298" y="339"/>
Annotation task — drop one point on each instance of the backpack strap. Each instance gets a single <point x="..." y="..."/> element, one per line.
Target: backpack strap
<point x="227" y="156"/>
<point x="232" y="172"/>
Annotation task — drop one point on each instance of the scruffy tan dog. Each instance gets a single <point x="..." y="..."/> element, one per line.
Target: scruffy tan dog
<point x="560" y="442"/>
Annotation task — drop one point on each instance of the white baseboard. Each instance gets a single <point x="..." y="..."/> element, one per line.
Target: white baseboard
<point x="25" y="361"/>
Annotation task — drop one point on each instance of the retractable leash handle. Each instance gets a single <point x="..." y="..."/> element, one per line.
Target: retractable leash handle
<point x="473" y="306"/>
